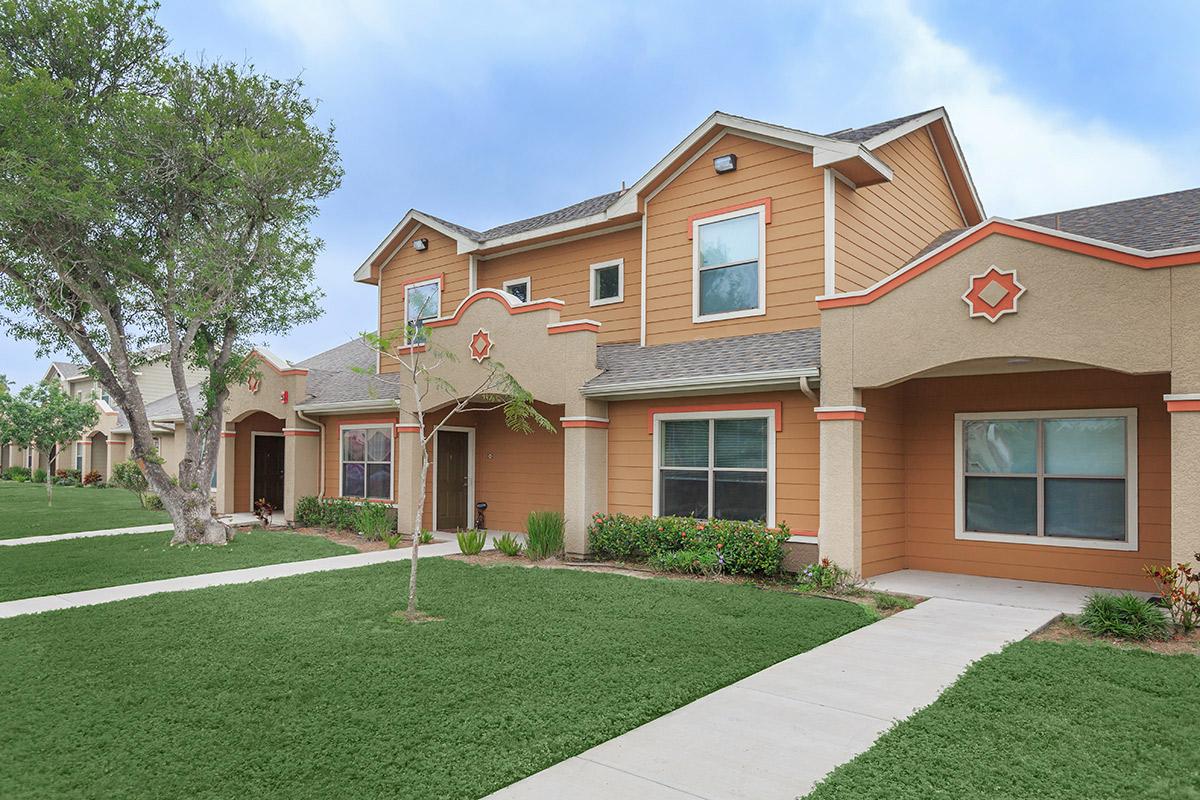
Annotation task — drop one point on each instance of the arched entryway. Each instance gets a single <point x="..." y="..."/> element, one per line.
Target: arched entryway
<point x="258" y="453"/>
<point x="99" y="455"/>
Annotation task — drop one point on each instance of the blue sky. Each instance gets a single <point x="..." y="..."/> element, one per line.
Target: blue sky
<point x="490" y="113"/>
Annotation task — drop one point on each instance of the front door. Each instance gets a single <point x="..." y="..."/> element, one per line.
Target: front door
<point x="268" y="471"/>
<point x="453" y="480"/>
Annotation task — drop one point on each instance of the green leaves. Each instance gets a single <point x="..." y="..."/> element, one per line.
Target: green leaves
<point x="44" y="416"/>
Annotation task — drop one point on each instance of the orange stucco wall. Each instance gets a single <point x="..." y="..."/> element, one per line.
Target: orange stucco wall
<point x="797" y="463"/>
<point x="925" y="421"/>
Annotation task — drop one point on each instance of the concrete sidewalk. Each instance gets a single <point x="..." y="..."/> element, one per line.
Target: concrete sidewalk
<point x="778" y="732"/>
<point x="58" y="537"/>
<point x="91" y="597"/>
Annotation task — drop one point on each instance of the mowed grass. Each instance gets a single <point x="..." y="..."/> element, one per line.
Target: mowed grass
<point x="310" y="687"/>
<point x="23" y="510"/>
<point x="1043" y="720"/>
<point x="33" y="570"/>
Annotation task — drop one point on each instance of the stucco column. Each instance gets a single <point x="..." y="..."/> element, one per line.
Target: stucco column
<point x="585" y="471"/>
<point x="118" y="451"/>
<point x="1185" y="476"/>
<point x="225" y="471"/>
<point x="408" y="474"/>
<point x="840" y="536"/>
<point x="301" y="467"/>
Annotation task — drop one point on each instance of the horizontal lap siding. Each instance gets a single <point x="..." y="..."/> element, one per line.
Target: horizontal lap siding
<point x="883" y="493"/>
<point x="880" y="228"/>
<point x="930" y="405"/>
<point x="563" y="271"/>
<point x="517" y="472"/>
<point x="405" y="265"/>
<point x="793" y="247"/>
<point x="797" y="464"/>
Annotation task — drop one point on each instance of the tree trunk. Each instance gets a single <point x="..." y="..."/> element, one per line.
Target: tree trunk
<point x="416" y="534"/>
<point x="49" y="484"/>
<point x="192" y="517"/>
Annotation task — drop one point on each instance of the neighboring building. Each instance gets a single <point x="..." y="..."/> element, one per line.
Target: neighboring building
<point x="771" y="324"/>
<point x="107" y="442"/>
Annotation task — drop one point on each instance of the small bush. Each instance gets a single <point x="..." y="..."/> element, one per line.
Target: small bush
<point x="16" y="474"/>
<point x="374" y="522"/>
<point x="264" y="510"/>
<point x="39" y="476"/>
<point x="128" y="475"/>
<point x="392" y="540"/>
<point x="67" y="474"/>
<point x="338" y="513"/>
<point x="545" y="531"/>
<point x="826" y="576"/>
<point x="748" y="548"/>
<point x="426" y="537"/>
<point x="471" y="542"/>
<point x="510" y="545"/>
<point x="694" y="562"/>
<point x="153" y="502"/>
<point x="92" y="478"/>
<point x="1179" y="592"/>
<point x="308" y="512"/>
<point x="1125" y="616"/>
<point x="889" y="602"/>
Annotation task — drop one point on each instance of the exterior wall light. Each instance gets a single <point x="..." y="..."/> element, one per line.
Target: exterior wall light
<point x="420" y="245"/>
<point x="726" y="163"/>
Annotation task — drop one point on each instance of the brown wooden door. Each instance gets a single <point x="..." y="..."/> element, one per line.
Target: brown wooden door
<point x="268" y="471"/>
<point x="453" y="479"/>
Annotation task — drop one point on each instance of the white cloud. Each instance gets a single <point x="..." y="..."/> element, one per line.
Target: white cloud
<point x="1025" y="157"/>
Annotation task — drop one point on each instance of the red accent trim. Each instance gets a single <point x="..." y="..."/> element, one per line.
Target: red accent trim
<point x="278" y="371"/>
<point x="777" y="407"/>
<point x="583" y="423"/>
<point x="828" y="416"/>
<point x="301" y="433"/>
<point x="367" y="421"/>
<point x="406" y="428"/>
<point x="224" y="435"/>
<point x="571" y="327"/>
<point x="410" y="348"/>
<point x="1183" y="405"/>
<point x="117" y="441"/>
<point x="812" y="534"/>
<point x="993" y="228"/>
<point x="762" y="201"/>
<point x="524" y="308"/>
<point x="440" y="277"/>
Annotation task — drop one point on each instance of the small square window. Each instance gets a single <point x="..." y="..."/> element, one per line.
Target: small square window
<point x="607" y="282"/>
<point x="520" y="288"/>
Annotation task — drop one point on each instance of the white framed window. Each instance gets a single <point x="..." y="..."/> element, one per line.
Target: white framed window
<point x="1058" y="478"/>
<point x="79" y="457"/>
<point x="607" y="281"/>
<point x="715" y="464"/>
<point x="366" y="462"/>
<point x="520" y="288"/>
<point x="422" y="303"/>
<point x="729" y="269"/>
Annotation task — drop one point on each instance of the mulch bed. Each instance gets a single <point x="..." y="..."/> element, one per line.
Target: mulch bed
<point x="354" y="540"/>
<point x="1063" y="630"/>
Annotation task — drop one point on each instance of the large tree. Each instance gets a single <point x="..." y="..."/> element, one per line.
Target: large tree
<point x="149" y="200"/>
<point x="45" y="417"/>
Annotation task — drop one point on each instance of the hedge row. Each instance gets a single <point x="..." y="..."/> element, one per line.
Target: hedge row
<point x="717" y="545"/>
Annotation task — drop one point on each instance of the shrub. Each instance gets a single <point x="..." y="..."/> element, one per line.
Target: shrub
<point x="471" y="542"/>
<point x="39" y="476"/>
<point x="68" y="474"/>
<point x="128" y="475"/>
<point x="308" y="511"/>
<point x="545" y="531"/>
<point x="153" y="502"/>
<point x="392" y="540"/>
<point x="695" y="562"/>
<point x="888" y="602"/>
<point x="426" y="537"/>
<point x="264" y="511"/>
<point x="826" y="576"/>
<point x="1179" y="592"/>
<point x="1125" y="616"/>
<point x="739" y="547"/>
<point x="510" y="545"/>
<point x="374" y="522"/>
<point x="338" y="513"/>
<point x="16" y="474"/>
<point x="92" y="478"/>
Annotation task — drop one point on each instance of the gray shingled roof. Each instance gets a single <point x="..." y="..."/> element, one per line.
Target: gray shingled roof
<point x="584" y="208"/>
<point x="68" y="370"/>
<point x="859" y="135"/>
<point x="696" y="361"/>
<point x="332" y="379"/>
<point x="1159" y="222"/>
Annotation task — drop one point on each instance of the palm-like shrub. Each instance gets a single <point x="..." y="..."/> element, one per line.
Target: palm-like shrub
<point x="471" y="542"/>
<point x="1125" y="616"/>
<point x="545" y="531"/>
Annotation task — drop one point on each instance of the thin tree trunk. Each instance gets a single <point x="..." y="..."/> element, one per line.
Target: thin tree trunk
<point x="49" y="483"/>
<point x="192" y="517"/>
<point x="416" y="543"/>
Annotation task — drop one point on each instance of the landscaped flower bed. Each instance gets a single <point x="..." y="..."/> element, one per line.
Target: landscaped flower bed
<point x="687" y="544"/>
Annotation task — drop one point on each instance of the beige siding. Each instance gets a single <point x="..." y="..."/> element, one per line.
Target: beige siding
<point x="880" y="228"/>
<point x="795" y="271"/>
<point x="562" y="271"/>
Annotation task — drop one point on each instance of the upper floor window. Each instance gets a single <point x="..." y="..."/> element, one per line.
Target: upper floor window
<point x="520" y="288"/>
<point x="729" y="268"/>
<point x="607" y="282"/>
<point x="1057" y="478"/>
<point x="422" y="303"/>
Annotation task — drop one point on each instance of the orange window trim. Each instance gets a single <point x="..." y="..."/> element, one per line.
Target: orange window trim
<point x="999" y="228"/>
<point x="301" y="433"/>
<point x="584" y="423"/>
<point x="762" y="201"/>
<point x="777" y="407"/>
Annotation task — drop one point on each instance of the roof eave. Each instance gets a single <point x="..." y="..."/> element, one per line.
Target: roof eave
<point x="748" y="381"/>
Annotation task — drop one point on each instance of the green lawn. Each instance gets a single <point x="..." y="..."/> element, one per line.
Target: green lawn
<point x="1043" y="720"/>
<point x="31" y="570"/>
<point x="309" y="687"/>
<point x="23" y="510"/>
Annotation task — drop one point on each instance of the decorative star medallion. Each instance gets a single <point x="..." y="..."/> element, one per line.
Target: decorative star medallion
<point x="481" y="345"/>
<point x="993" y="294"/>
<point x="252" y="383"/>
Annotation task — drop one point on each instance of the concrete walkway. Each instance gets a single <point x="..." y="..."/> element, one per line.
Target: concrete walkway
<point x="775" y="734"/>
<point x="91" y="597"/>
<point x="58" y="537"/>
<point x="1062" y="597"/>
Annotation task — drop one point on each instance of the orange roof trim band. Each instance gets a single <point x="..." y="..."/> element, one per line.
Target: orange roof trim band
<point x="834" y="413"/>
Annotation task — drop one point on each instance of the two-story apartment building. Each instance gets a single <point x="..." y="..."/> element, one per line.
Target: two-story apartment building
<point x="818" y="330"/>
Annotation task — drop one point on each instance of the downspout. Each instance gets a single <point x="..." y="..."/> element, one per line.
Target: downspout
<point x="807" y="388"/>
<point x="320" y="426"/>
